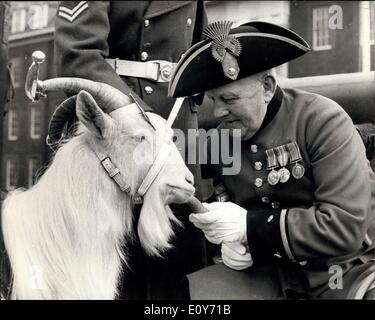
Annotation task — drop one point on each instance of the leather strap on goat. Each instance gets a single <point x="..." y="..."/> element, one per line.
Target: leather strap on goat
<point x="112" y="171"/>
<point x="174" y="112"/>
<point x="155" y="169"/>
<point x="164" y="152"/>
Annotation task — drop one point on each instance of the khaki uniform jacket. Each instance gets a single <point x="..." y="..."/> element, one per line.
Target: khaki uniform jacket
<point x="325" y="219"/>
<point x="139" y="31"/>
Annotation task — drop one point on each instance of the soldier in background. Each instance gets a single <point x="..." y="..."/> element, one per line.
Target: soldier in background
<point x="134" y="46"/>
<point x="4" y="88"/>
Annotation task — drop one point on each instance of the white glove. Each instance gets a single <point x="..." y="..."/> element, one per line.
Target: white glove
<point x="225" y="222"/>
<point x="236" y="256"/>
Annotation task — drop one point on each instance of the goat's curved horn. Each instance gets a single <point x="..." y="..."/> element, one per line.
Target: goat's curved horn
<point x="63" y="113"/>
<point x="107" y="97"/>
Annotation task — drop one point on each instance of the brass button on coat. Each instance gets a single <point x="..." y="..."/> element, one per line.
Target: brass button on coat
<point x="144" y="56"/>
<point x="275" y="205"/>
<point x="258" y="165"/>
<point x="189" y="22"/>
<point x="149" y="90"/>
<point x="147" y="23"/>
<point x="254" y="148"/>
<point x="258" y="182"/>
<point x="266" y="200"/>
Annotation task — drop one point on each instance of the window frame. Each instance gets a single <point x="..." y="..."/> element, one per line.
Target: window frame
<point x="316" y="32"/>
<point x="33" y="135"/>
<point x="8" y="163"/>
<point x="13" y="116"/>
<point x="17" y="71"/>
<point x="372" y="22"/>
<point x="30" y="173"/>
<point x="19" y="21"/>
<point x="42" y="19"/>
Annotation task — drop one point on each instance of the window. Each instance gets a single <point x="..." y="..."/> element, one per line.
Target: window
<point x="38" y="16"/>
<point x="19" y="20"/>
<point x="321" y="35"/>
<point x="36" y="123"/>
<point x="17" y="71"/>
<point x="11" y="176"/>
<point x="372" y="22"/>
<point x="13" y="125"/>
<point x="34" y="165"/>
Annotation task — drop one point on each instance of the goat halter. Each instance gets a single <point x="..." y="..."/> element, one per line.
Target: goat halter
<point x="113" y="171"/>
<point x="156" y="167"/>
<point x="163" y="153"/>
<point x="158" y="163"/>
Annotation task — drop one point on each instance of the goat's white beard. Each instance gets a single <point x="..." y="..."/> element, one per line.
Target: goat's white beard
<point x="64" y="236"/>
<point x="155" y="223"/>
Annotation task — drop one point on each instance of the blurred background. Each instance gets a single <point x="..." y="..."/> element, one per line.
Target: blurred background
<point x="341" y="35"/>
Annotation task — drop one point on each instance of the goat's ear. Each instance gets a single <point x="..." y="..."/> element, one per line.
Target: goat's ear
<point x="92" y="117"/>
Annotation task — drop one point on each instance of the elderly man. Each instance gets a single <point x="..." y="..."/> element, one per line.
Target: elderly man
<point x="300" y="221"/>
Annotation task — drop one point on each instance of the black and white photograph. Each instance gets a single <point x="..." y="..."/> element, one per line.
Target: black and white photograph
<point x="187" y="151"/>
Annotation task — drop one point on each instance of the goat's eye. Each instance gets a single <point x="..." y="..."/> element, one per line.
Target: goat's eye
<point x="140" y="138"/>
<point x="174" y="138"/>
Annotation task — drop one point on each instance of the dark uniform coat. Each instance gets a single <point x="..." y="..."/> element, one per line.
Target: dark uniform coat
<point x="138" y="31"/>
<point x="4" y="90"/>
<point x="307" y="227"/>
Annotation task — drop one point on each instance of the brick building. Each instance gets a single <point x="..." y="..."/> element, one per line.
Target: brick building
<point x="24" y="149"/>
<point x="341" y="35"/>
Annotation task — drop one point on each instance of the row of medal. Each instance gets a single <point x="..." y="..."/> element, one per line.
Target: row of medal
<point x="282" y="155"/>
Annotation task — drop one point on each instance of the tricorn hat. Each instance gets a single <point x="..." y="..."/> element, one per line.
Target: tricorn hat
<point x="229" y="54"/>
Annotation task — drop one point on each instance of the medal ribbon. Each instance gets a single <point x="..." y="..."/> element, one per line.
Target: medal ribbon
<point x="271" y="159"/>
<point x="295" y="154"/>
<point x="282" y="155"/>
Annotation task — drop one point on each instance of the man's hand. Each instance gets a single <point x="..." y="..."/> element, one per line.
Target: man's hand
<point x="236" y="256"/>
<point x="225" y="222"/>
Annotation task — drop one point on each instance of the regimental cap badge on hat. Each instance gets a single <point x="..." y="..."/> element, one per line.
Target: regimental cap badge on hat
<point x="224" y="47"/>
<point x="228" y="54"/>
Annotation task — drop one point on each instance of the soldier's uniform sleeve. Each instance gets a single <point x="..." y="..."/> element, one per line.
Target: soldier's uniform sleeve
<point x="336" y="224"/>
<point x="81" y="47"/>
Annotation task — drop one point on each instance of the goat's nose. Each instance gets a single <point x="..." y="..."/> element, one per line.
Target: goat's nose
<point x="189" y="179"/>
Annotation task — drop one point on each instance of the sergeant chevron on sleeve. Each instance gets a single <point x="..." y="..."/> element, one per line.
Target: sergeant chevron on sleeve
<point x="303" y="202"/>
<point x="73" y="13"/>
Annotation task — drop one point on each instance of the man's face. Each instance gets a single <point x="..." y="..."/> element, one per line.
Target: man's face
<point x="240" y="105"/>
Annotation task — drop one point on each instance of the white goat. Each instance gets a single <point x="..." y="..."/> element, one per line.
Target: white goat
<point x="65" y="235"/>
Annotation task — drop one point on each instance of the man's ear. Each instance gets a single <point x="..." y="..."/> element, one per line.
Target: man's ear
<point x="269" y="86"/>
<point x="92" y="116"/>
